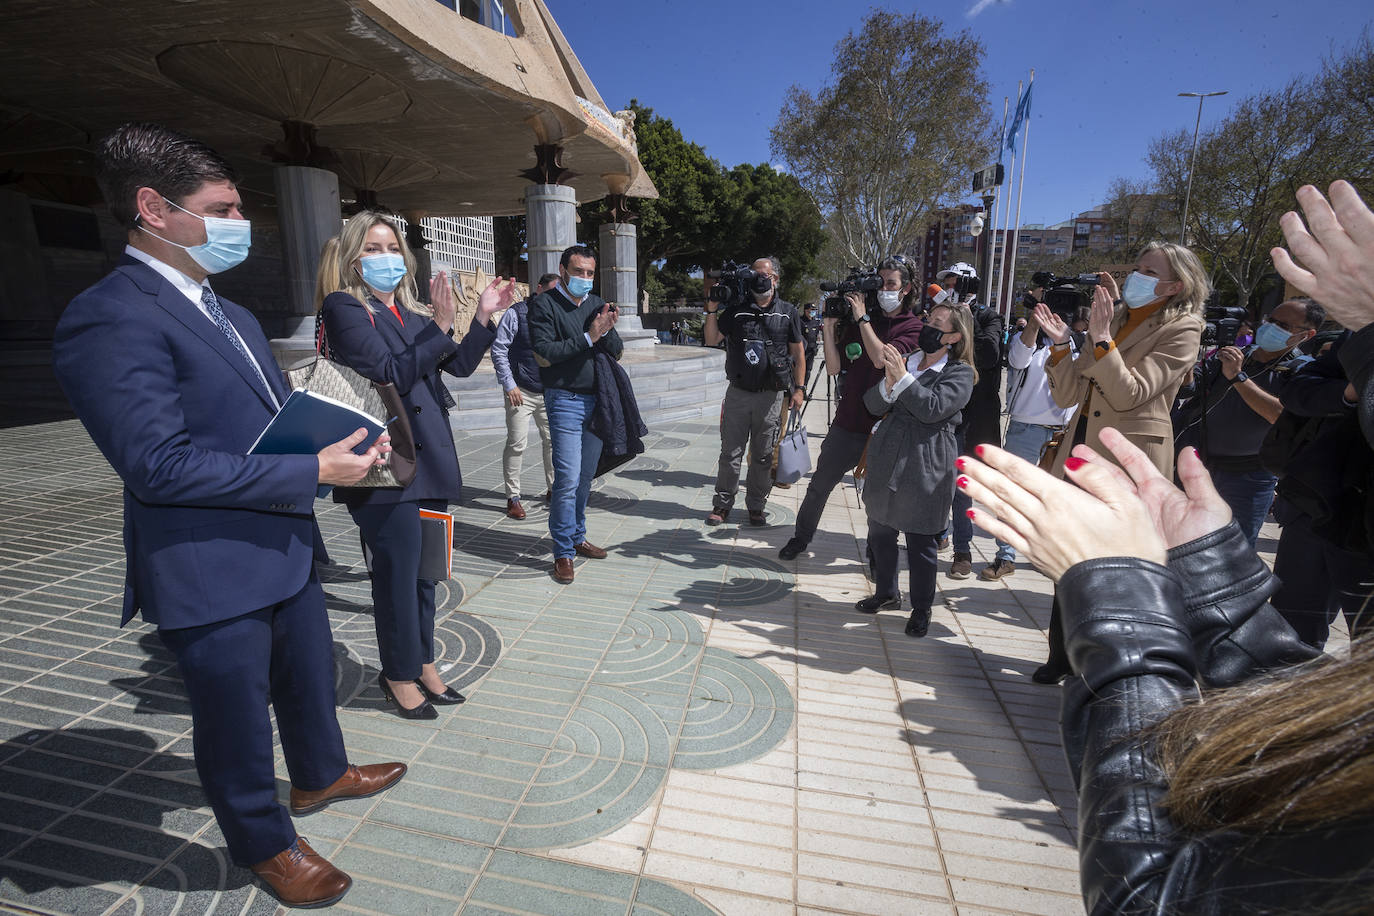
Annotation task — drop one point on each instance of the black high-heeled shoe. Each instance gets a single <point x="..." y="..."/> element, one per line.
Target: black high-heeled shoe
<point x="449" y="697"/>
<point x="423" y="711"/>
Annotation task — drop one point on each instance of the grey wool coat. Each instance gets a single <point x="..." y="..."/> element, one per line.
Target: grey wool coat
<point x="910" y="484"/>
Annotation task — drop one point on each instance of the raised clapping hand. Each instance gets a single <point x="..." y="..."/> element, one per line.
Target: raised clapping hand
<point x="603" y="322"/>
<point x="441" y="301"/>
<point x="340" y="467"/>
<point x="894" y="365"/>
<point x="1054" y="326"/>
<point x="1110" y="513"/>
<point x="1100" y="318"/>
<point x="498" y="295"/>
<point x="1336" y="249"/>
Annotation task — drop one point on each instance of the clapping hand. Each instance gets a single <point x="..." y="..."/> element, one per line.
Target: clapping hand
<point x="498" y="295"/>
<point x="603" y="322"/>
<point x="441" y="301"/>
<point x="1054" y="326"/>
<point x="894" y="365"/>
<point x="1100" y="318"/>
<point x="1336" y="249"/>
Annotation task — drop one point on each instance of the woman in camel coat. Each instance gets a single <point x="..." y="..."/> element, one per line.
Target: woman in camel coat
<point x="1141" y="345"/>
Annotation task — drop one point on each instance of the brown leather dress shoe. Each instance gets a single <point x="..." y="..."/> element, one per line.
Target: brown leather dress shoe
<point x="299" y="876"/>
<point x="563" y="570"/>
<point x="356" y="782"/>
<point x="514" y="509"/>
<point x="590" y="551"/>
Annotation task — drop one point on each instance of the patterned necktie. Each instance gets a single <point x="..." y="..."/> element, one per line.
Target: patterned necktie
<point x="221" y="320"/>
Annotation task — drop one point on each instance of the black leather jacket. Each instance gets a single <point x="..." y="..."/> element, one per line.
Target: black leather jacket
<point x="1141" y="636"/>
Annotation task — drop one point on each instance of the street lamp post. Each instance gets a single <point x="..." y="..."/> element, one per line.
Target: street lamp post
<point x="1192" y="164"/>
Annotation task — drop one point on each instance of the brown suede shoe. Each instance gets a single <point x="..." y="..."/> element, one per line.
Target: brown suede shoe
<point x="563" y="570"/>
<point x="590" y="551"/>
<point x="514" y="509"/>
<point x="299" y="876"/>
<point x="356" y="782"/>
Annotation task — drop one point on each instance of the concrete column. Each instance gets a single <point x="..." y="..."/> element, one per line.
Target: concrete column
<point x="618" y="244"/>
<point x="550" y="226"/>
<point x="308" y="216"/>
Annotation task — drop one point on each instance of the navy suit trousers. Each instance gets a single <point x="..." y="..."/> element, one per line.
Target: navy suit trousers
<point x="402" y="603"/>
<point x="231" y="669"/>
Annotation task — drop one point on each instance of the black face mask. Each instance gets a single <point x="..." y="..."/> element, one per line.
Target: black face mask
<point x="931" y="339"/>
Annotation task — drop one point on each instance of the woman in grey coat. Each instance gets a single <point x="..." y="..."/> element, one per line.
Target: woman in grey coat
<point x="910" y="483"/>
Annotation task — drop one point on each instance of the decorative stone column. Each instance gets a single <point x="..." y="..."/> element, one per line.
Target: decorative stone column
<point x="550" y="226"/>
<point x="307" y="216"/>
<point x="618" y="247"/>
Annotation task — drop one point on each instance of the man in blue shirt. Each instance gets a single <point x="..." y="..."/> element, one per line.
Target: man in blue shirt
<point x="512" y="354"/>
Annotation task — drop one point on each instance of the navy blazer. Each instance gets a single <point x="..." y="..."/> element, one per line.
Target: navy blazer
<point x="210" y="532"/>
<point x="409" y="356"/>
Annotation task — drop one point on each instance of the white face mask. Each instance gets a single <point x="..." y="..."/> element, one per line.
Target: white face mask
<point x="890" y="299"/>
<point x="1139" y="290"/>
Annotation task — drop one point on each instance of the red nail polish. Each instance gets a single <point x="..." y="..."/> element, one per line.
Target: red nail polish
<point x="961" y="483"/>
<point x="1074" y="464"/>
<point x="960" y="463"/>
<point x="971" y="515"/>
<point x="979" y="451"/>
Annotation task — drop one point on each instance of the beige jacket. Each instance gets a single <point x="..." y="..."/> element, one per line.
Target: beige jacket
<point x="1132" y="388"/>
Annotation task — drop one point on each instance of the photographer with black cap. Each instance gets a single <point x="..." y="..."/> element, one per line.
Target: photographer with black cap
<point x="764" y="363"/>
<point x="854" y="346"/>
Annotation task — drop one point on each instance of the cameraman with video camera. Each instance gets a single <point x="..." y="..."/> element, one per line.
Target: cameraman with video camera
<point x="871" y="311"/>
<point x="764" y="363"/>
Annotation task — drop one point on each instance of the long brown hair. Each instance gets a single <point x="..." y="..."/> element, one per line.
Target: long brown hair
<point x="1291" y="750"/>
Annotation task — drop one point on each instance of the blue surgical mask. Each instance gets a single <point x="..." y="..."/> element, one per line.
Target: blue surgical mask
<point x="1139" y="290"/>
<point x="383" y="272"/>
<point x="1271" y="338"/>
<point x="579" y="286"/>
<point x="226" y="242"/>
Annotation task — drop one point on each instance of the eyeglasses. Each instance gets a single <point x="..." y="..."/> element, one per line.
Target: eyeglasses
<point x="1289" y="328"/>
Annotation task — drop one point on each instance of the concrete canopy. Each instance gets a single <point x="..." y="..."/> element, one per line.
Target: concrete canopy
<point x="432" y="113"/>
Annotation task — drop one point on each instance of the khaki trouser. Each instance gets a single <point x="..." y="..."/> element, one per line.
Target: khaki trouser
<point x="517" y="435"/>
<point x="752" y="419"/>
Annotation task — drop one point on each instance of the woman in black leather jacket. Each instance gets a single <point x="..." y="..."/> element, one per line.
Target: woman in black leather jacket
<point x="1260" y="800"/>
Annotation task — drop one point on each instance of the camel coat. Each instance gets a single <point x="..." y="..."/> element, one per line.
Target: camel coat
<point x="1132" y="388"/>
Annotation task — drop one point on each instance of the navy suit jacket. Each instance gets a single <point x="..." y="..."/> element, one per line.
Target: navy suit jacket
<point x="411" y="357"/>
<point x="210" y="532"/>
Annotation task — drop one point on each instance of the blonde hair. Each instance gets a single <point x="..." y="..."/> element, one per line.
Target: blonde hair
<point x="351" y="242"/>
<point x="962" y="318"/>
<point x="327" y="273"/>
<point x="1188" y="270"/>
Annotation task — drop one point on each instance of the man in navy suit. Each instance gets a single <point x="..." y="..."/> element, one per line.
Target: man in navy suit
<point x="174" y="385"/>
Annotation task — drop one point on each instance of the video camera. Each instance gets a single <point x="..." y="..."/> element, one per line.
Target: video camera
<point x="1064" y="296"/>
<point x="736" y="282"/>
<point x="1222" y="325"/>
<point x="859" y="281"/>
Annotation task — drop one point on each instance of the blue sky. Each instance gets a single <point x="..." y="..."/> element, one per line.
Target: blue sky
<point x="1107" y="72"/>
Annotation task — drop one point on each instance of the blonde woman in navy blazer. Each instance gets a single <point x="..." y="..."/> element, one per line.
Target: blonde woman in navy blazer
<point x="377" y="326"/>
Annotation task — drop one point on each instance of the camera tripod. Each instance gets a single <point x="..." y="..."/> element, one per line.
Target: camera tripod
<point x="819" y="370"/>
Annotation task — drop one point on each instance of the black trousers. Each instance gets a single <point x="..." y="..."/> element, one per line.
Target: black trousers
<point x="920" y="557"/>
<point x="1320" y="580"/>
<point x="840" y="454"/>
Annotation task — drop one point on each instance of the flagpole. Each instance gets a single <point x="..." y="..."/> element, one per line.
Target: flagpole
<point x="1006" y="214"/>
<point x="996" y="212"/>
<point x="1021" y="182"/>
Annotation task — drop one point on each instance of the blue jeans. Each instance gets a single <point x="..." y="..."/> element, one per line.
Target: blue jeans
<point x="1249" y="494"/>
<point x="576" y="451"/>
<point x="1024" y="440"/>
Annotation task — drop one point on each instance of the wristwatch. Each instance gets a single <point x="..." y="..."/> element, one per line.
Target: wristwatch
<point x="710" y="311"/>
<point x="798" y="387"/>
<point x="1240" y="377"/>
<point x="864" y="318"/>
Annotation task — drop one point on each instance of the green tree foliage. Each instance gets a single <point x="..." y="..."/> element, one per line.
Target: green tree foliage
<point x="894" y="136"/>
<point x="705" y="214"/>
